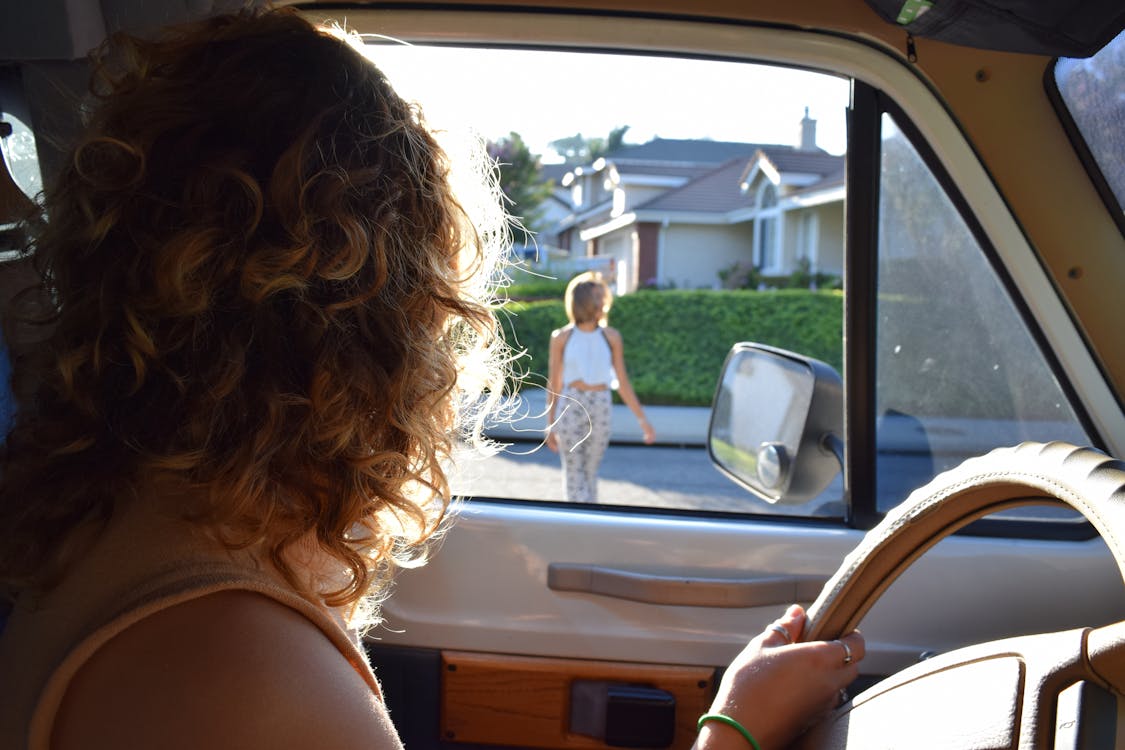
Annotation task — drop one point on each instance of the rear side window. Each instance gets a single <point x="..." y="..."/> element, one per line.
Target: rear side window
<point x="1093" y="91"/>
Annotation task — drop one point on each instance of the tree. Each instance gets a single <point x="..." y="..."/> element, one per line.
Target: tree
<point x="615" y="139"/>
<point x="522" y="183"/>
<point x="578" y="149"/>
<point x="574" y="149"/>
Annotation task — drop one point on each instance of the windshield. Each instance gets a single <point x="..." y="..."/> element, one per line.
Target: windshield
<point x="1093" y="91"/>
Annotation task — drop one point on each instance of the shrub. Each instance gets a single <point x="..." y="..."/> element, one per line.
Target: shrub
<point x="676" y="341"/>
<point x="803" y="278"/>
<point x="740" y="276"/>
<point x="743" y="276"/>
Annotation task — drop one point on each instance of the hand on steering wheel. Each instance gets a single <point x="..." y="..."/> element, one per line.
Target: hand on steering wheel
<point x="776" y="685"/>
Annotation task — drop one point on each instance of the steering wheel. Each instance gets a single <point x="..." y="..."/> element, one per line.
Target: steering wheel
<point x="1002" y="694"/>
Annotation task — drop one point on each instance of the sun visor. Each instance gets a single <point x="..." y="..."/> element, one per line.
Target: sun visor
<point x="1074" y="28"/>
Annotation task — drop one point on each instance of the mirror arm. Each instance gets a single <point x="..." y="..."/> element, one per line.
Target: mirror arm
<point x="832" y="443"/>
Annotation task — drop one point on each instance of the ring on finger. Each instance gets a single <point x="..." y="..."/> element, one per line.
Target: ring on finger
<point x="784" y="633"/>
<point x="847" y="652"/>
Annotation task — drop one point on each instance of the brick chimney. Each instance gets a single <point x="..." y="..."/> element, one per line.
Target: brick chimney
<point x="808" y="132"/>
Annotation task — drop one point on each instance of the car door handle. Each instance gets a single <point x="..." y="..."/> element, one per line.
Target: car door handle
<point x="684" y="591"/>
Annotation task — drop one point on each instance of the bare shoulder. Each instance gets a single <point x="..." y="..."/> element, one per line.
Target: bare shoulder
<point x="612" y="334"/>
<point x="559" y="335"/>
<point x="228" y="670"/>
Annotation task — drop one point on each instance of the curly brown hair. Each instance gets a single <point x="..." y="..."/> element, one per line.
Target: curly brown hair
<point x="263" y="285"/>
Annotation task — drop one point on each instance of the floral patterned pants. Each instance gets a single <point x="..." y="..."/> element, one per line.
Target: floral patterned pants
<point x="582" y="430"/>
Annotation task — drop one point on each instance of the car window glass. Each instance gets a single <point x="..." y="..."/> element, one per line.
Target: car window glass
<point x="1093" y="90"/>
<point x="709" y="193"/>
<point x="957" y="370"/>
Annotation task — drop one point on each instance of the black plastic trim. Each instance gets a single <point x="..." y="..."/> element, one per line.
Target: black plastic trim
<point x="689" y="514"/>
<point x="861" y="257"/>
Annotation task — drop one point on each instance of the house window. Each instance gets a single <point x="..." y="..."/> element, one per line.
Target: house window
<point x="576" y="193"/>
<point x="807" y="230"/>
<point x="766" y="245"/>
<point x="618" y="202"/>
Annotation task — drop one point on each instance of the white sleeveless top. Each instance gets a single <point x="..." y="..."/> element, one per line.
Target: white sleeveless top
<point x="587" y="357"/>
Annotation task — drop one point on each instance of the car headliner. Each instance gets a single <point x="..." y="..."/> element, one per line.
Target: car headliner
<point x="66" y="30"/>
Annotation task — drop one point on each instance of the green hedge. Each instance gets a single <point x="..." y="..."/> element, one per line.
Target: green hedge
<point x="676" y="341"/>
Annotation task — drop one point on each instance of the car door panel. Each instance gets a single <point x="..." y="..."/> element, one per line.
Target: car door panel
<point x="967" y="589"/>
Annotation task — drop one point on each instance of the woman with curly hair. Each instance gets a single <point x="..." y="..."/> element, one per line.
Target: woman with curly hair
<point x="269" y="314"/>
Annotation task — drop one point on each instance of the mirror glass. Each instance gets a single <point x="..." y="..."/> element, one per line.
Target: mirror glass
<point x="759" y="416"/>
<point x="773" y="415"/>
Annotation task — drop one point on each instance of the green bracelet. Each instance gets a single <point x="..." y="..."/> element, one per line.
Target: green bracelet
<point x="724" y="719"/>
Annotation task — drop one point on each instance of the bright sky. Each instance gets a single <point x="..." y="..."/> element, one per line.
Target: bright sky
<point x="549" y="95"/>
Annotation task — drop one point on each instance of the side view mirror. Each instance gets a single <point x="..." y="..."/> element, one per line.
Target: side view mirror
<point x="777" y="422"/>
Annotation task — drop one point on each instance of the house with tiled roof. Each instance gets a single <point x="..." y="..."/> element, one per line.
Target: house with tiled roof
<point x="678" y="212"/>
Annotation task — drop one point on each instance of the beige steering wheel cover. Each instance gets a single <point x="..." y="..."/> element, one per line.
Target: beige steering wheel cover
<point x="1030" y="473"/>
<point x="994" y="695"/>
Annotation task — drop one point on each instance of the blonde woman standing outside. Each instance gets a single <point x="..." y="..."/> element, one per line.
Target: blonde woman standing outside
<point x="587" y="360"/>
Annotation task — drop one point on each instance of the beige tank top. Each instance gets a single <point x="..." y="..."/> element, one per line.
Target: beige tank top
<point x="140" y="565"/>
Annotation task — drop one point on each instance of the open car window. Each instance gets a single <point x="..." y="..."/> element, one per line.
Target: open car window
<point x="712" y="193"/>
<point x="709" y="192"/>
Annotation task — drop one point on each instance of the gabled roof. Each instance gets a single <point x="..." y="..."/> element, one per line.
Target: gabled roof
<point x="716" y="191"/>
<point x="554" y="172"/>
<point x="788" y="159"/>
<point x="686" y="171"/>
<point x="690" y="151"/>
<point x="834" y="178"/>
<point x="799" y="170"/>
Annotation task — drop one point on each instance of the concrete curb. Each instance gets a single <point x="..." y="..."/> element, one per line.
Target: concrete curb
<point x="674" y="425"/>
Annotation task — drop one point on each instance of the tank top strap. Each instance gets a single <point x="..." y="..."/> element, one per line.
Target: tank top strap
<point x="177" y="585"/>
